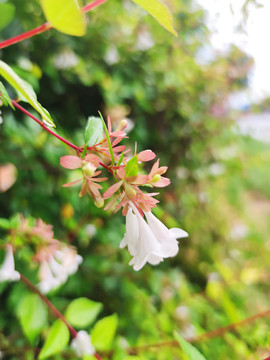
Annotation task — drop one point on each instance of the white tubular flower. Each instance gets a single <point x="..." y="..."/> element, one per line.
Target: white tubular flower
<point x="55" y="271"/>
<point x="82" y="344"/>
<point x="149" y="241"/>
<point x="7" y="270"/>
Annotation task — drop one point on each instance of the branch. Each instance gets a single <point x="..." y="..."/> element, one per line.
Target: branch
<point x="47" y="26"/>
<point x="53" y="309"/>
<point x="204" y="337"/>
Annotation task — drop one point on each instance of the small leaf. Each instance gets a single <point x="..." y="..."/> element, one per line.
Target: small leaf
<point x="160" y="12"/>
<point x="103" y="332"/>
<point x="132" y="167"/>
<point x="25" y="90"/>
<point x="65" y="16"/>
<point x="7" y="12"/>
<point x="191" y="352"/>
<point x="56" y="341"/>
<point x="32" y="314"/>
<point x="82" y="312"/>
<point x="4" y="95"/>
<point x="94" y="131"/>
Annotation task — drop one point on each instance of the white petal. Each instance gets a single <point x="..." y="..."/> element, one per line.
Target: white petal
<point x="82" y="344"/>
<point x="178" y="233"/>
<point x="123" y="242"/>
<point x="166" y="239"/>
<point x="7" y="270"/>
<point x="132" y="234"/>
<point x="147" y="245"/>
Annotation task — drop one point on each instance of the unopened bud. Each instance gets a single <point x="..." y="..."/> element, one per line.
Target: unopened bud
<point x="88" y="169"/>
<point x="156" y="178"/>
<point x="99" y="202"/>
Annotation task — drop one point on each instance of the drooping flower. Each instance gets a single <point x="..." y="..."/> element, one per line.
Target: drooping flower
<point x="7" y="270"/>
<point x="149" y="241"/>
<point x="55" y="268"/>
<point x="82" y="344"/>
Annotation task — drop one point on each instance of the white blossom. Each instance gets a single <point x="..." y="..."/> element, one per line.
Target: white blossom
<point x="149" y="241"/>
<point x="55" y="270"/>
<point x="82" y="344"/>
<point x="7" y="270"/>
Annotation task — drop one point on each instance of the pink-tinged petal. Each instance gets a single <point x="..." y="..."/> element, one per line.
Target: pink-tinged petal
<point x="99" y="179"/>
<point x="93" y="159"/>
<point x="83" y="189"/>
<point x="162" y="182"/>
<point x="154" y="168"/>
<point x="109" y="124"/>
<point x="119" y="148"/>
<point x="161" y="170"/>
<point x="117" y="134"/>
<point x="71" y="183"/>
<point x="116" y="141"/>
<point x="138" y="180"/>
<point x="146" y="155"/>
<point x="121" y="173"/>
<point x="95" y="194"/>
<point x="110" y="204"/>
<point x="97" y="173"/>
<point x="108" y="193"/>
<point x="71" y="162"/>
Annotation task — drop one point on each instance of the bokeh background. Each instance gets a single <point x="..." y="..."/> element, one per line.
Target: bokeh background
<point x="193" y="101"/>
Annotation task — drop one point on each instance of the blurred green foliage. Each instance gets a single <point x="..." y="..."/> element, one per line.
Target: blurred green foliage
<point x="127" y="65"/>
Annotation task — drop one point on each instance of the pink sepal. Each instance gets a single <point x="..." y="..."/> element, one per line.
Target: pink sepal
<point x="162" y="182"/>
<point x="146" y="155"/>
<point x="71" y="183"/>
<point x="71" y="162"/>
<point x="108" y="193"/>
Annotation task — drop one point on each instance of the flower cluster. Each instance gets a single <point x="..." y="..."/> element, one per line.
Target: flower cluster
<point x="147" y="241"/>
<point x="56" y="260"/>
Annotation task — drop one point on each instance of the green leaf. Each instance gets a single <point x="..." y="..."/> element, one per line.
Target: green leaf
<point x="132" y="167"/>
<point x="32" y="314"/>
<point x="25" y="90"/>
<point x="4" y="95"/>
<point x="7" y="12"/>
<point x="82" y="312"/>
<point x="160" y="12"/>
<point x="191" y="352"/>
<point x="103" y="332"/>
<point x="65" y="16"/>
<point x="56" y="341"/>
<point x="94" y="131"/>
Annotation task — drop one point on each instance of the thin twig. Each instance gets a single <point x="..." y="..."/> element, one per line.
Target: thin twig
<point x="53" y="309"/>
<point x="56" y="312"/>
<point x="45" y="127"/>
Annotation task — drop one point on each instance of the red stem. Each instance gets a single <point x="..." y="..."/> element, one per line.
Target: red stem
<point x="93" y="5"/>
<point x="44" y="27"/>
<point x="45" y="127"/>
<point x="25" y="35"/>
<point x="73" y="332"/>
